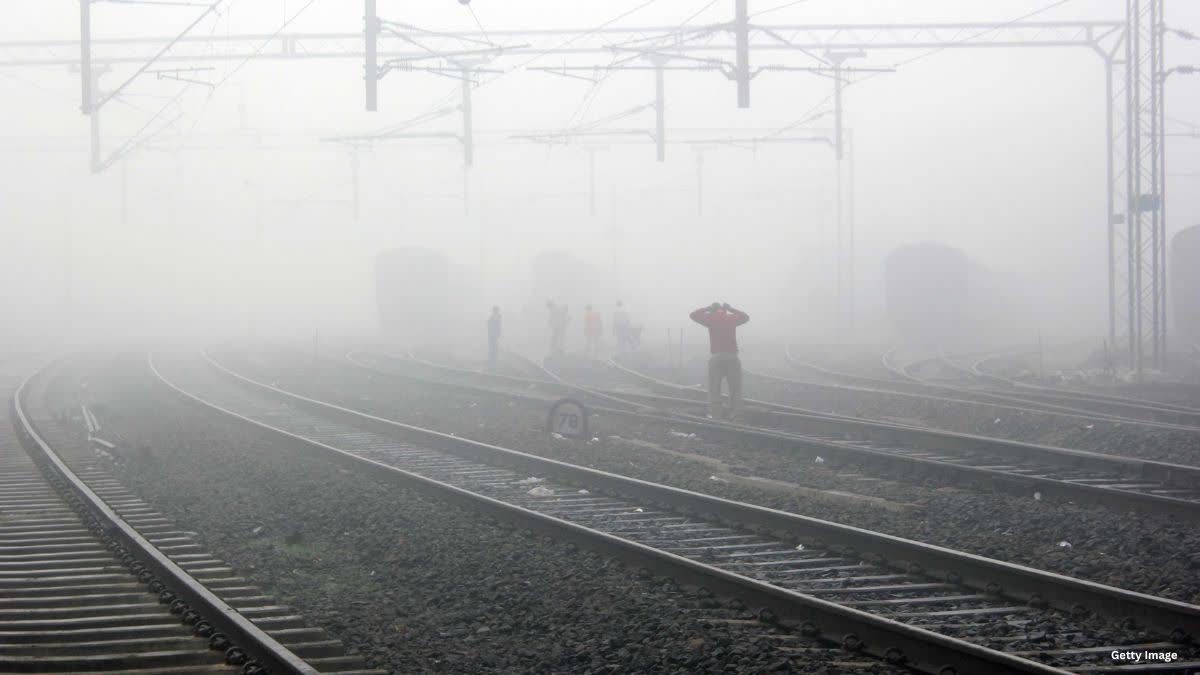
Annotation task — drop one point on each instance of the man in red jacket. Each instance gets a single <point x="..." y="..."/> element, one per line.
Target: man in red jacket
<point x="722" y="322"/>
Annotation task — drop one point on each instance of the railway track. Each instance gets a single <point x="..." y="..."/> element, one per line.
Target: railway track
<point x="1026" y="469"/>
<point x="1107" y="403"/>
<point x="1142" y="414"/>
<point x="929" y="608"/>
<point x="92" y="579"/>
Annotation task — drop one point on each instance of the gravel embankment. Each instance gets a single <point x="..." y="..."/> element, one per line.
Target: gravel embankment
<point x="1151" y="554"/>
<point x="413" y="585"/>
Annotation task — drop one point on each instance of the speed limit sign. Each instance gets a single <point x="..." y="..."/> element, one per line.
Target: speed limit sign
<point x="569" y="418"/>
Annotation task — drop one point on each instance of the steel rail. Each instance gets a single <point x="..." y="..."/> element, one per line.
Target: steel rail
<point x="1021" y="583"/>
<point x="922" y="650"/>
<point x="904" y="372"/>
<point x="255" y="642"/>
<point x="1178" y="474"/>
<point x="832" y="428"/>
<point x="839" y="426"/>
<point x="914" y="387"/>
<point x="1153" y="407"/>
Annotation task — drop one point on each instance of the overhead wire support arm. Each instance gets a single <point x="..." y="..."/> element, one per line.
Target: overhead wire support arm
<point x="655" y="53"/>
<point x="565" y="71"/>
<point x="175" y="75"/>
<point x="399" y="63"/>
<point x="452" y="71"/>
<point x="154" y="59"/>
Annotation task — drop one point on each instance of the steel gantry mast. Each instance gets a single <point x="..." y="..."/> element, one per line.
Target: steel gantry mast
<point x="94" y="100"/>
<point x="1137" y="228"/>
<point x="1131" y="51"/>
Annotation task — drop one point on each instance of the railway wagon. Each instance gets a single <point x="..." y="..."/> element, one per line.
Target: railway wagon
<point x="927" y="292"/>
<point x="1184" y="287"/>
<point x="563" y="278"/>
<point x="418" y="295"/>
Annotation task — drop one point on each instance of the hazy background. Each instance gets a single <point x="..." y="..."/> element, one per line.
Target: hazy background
<point x="238" y="219"/>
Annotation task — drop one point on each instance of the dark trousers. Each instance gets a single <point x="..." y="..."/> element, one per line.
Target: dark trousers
<point x="727" y="367"/>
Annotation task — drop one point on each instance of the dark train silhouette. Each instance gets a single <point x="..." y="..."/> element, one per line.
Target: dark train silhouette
<point x="421" y="296"/>
<point x="927" y="291"/>
<point x="1184" y="287"/>
<point x="563" y="278"/>
<point x="935" y="295"/>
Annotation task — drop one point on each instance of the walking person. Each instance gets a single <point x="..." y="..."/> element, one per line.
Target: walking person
<point x="593" y="328"/>
<point x="494" y="329"/>
<point x="723" y="362"/>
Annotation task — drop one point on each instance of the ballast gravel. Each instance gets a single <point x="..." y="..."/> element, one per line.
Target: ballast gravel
<point x="411" y="583"/>
<point x="1154" y="554"/>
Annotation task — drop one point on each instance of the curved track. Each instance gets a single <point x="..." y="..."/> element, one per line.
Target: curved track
<point x="1085" y="408"/>
<point x="1042" y="472"/>
<point x="935" y="609"/>
<point x="1108" y="403"/>
<point x="92" y="580"/>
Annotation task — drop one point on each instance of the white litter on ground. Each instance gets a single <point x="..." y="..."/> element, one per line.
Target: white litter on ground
<point x="819" y="460"/>
<point x="540" y="491"/>
<point x="530" y="481"/>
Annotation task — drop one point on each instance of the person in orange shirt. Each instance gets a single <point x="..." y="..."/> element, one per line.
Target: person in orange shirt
<point x="593" y="328"/>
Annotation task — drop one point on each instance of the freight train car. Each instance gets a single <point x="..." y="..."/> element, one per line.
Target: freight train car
<point x="560" y="276"/>
<point x="1184" y="287"/>
<point x="415" y="295"/>
<point x="927" y="292"/>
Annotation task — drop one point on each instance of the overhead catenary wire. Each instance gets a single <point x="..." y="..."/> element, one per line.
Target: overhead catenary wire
<point x="212" y="92"/>
<point x="931" y="52"/>
<point x="263" y="45"/>
<point x="778" y="7"/>
<point x="436" y="108"/>
<point x="593" y="92"/>
<point x="478" y="23"/>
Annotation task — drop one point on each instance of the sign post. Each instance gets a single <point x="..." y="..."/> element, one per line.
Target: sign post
<point x="568" y="417"/>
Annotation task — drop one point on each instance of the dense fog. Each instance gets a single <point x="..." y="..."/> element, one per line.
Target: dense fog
<point x="227" y="211"/>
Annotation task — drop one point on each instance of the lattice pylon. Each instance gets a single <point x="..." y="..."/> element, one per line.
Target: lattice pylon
<point x="1137" y="234"/>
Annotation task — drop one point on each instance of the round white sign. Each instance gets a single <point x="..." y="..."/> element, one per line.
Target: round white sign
<point x="568" y="417"/>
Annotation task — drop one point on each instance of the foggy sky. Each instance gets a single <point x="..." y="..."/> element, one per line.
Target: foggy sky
<point x="238" y="219"/>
